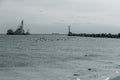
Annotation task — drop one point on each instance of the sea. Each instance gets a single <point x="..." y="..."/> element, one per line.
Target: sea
<point x="58" y="57"/>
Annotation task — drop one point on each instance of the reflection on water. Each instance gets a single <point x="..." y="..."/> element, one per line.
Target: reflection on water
<point x="58" y="57"/>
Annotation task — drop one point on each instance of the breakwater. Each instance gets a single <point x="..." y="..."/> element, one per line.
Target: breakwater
<point x="99" y="35"/>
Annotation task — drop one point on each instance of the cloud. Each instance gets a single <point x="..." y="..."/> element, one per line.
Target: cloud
<point x="60" y="12"/>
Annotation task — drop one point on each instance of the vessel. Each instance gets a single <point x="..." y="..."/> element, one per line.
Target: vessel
<point x="19" y="31"/>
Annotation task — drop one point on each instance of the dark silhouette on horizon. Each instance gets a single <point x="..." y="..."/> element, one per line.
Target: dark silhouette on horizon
<point x="101" y="35"/>
<point x="18" y="31"/>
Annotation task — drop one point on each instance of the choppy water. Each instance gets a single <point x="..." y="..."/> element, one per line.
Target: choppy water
<point x="51" y="57"/>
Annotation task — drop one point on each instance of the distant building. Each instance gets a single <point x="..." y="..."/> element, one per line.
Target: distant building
<point x="18" y="31"/>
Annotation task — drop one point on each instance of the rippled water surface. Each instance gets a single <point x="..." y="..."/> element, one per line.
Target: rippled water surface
<point x="58" y="57"/>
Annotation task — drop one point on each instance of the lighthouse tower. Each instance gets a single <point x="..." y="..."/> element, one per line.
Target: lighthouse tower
<point x="69" y="32"/>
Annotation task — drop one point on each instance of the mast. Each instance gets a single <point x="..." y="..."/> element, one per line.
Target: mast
<point x="21" y="27"/>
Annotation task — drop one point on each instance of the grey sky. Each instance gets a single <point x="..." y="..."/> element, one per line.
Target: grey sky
<point x="47" y="16"/>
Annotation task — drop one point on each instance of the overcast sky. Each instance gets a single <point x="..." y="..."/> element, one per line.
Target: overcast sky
<point x="47" y="16"/>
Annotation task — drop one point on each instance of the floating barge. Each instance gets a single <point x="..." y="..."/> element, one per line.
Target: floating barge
<point x="18" y="31"/>
<point x="101" y="35"/>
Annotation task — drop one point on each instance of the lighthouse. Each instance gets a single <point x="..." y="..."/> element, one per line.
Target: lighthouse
<point x="69" y="32"/>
